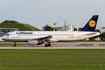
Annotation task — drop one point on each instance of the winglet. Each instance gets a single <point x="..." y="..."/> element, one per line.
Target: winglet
<point x="91" y="25"/>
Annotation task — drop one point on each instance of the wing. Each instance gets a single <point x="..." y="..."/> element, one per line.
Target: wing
<point x="38" y="41"/>
<point x="43" y="39"/>
<point x="46" y="38"/>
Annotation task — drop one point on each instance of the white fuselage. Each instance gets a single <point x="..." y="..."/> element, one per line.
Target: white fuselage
<point x="22" y="36"/>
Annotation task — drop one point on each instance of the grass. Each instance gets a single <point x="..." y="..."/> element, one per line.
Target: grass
<point x="9" y="45"/>
<point x="16" y="24"/>
<point x="22" y="27"/>
<point x="33" y="29"/>
<point x="61" y="59"/>
<point x="3" y="44"/>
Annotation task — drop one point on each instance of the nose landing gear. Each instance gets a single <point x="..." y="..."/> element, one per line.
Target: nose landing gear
<point x="14" y="44"/>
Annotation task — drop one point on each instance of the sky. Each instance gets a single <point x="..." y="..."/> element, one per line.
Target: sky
<point x="41" y="12"/>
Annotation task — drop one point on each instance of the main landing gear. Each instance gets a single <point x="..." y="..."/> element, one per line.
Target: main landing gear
<point x="47" y="44"/>
<point x="14" y="44"/>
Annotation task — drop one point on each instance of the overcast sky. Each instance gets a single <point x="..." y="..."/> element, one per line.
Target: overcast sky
<point x="41" y="12"/>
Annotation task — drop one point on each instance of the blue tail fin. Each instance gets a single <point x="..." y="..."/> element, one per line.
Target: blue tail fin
<point x="91" y="25"/>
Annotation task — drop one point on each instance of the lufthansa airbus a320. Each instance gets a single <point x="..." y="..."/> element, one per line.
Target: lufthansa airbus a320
<point x="40" y="37"/>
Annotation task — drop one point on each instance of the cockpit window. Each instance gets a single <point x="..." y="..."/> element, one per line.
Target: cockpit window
<point x="7" y="34"/>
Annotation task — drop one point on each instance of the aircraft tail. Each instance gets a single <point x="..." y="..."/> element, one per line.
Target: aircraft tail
<point x="91" y="25"/>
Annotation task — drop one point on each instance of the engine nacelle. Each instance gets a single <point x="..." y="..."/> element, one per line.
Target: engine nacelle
<point x="32" y="42"/>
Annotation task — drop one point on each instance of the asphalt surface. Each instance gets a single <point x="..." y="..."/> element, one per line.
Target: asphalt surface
<point x="52" y="47"/>
<point x="80" y="45"/>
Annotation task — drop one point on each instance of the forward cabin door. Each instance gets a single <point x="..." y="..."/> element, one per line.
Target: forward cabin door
<point x="13" y="36"/>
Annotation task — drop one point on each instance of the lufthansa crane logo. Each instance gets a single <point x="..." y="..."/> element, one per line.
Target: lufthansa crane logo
<point x="92" y="23"/>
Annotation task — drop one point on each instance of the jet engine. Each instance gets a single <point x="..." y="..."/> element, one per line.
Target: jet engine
<point x="34" y="42"/>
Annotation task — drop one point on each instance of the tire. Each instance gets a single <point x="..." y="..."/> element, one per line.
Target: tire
<point x="46" y="45"/>
<point x="49" y="44"/>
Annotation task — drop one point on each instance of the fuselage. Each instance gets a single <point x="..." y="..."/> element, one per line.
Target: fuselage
<point x="24" y="36"/>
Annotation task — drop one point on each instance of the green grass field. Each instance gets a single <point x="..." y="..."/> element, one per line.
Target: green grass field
<point x="10" y="44"/>
<point x="22" y="27"/>
<point x="16" y="24"/>
<point x="61" y="59"/>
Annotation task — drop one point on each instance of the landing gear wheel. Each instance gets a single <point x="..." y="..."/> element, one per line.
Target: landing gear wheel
<point x="47" y="45"/>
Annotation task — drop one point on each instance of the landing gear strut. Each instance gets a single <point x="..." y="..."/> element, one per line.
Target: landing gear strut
<point x="14" y="44"/>
<point x="47" y="44"/>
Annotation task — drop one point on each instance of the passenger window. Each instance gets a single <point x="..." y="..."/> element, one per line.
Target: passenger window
<point x="7" y="34"/>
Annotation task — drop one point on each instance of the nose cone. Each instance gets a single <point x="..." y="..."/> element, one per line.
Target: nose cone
<point x="3" y="38"/>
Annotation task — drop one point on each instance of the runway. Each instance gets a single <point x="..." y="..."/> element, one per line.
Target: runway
<point x="79" y="45"/>
<point x="99" y="47"/>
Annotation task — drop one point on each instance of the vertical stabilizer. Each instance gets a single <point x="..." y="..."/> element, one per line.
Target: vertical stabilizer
<point x="91" y="25"/>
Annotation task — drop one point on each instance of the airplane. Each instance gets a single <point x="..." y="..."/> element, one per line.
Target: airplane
<point x="40" y="37"/>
